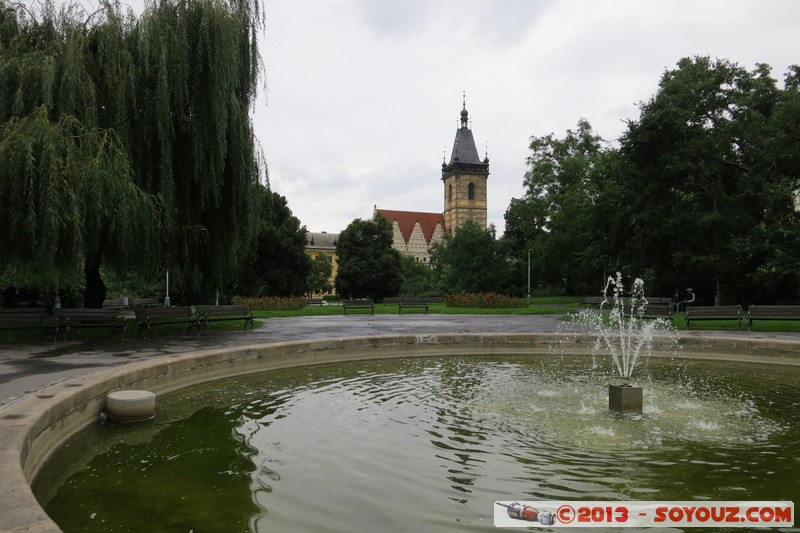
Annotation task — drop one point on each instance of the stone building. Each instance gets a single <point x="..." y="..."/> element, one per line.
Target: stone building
<point x="323" y="243"/>
<point x="464" y="180"/>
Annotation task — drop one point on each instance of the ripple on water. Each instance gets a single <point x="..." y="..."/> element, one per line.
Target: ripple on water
<point x="427" y="444"/>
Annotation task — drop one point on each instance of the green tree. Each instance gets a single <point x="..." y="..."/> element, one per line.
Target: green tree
<point x="280" y="265"/>
<point x="471" y="260"/>
<point x="555" y="218"/>
<point x="67" y="191"/>
<point x="710" y="190"/>
<point x="128" y="142"/>
<point x="192" y="143"/>
<point x="418" y="279"/>
<point x="368" y="265"/>
<point x="318" y="280"/>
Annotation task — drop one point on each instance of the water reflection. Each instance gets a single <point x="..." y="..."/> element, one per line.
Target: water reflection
<point x="430" y="444"/>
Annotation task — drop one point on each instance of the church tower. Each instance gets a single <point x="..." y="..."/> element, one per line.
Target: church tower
<point x="464" y="179"/>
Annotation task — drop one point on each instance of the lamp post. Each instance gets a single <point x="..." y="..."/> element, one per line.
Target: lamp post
<point x="166" y="298"/>
<point x="529" y="277"/>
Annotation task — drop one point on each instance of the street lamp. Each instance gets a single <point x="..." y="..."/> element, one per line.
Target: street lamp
<point x="529" y="277"/>
<point x="166" y="298"/>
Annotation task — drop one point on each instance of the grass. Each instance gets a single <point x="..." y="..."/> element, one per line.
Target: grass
<point x="539" y="306"/>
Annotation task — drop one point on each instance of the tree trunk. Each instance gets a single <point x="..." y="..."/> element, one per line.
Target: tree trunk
<point x="94" y="291"/>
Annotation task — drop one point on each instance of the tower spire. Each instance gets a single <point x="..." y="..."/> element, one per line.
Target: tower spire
<point x="464" y="113"/>
<point x="464" y="177"/>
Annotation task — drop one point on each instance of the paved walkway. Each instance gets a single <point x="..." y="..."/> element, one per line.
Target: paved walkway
<point x="26" y="368"/>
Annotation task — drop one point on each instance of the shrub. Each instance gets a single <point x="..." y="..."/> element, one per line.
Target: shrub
<point x="271" y="303"/>
<point x="487" y="300"/>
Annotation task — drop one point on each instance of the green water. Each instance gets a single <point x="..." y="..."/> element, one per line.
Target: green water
<point x="428" y="445"/>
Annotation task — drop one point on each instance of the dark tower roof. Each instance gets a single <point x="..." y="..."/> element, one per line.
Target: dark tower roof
<point x="465" y="153"/>
<point x="464" y="149"/>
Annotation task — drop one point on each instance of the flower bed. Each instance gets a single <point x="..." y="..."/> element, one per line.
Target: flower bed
<point x="487" y="300"/>
<point x="271" y="303"/>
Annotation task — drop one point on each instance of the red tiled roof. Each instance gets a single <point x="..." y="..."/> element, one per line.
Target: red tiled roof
<point x="407" y="219"/>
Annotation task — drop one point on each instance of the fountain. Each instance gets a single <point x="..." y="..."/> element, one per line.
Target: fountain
<point x="427" y="444"/>
<point x="425" y="436"/>
<point x="625" y="333"/>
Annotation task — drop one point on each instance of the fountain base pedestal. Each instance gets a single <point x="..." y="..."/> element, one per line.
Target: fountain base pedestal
<point x="625" y="399"/>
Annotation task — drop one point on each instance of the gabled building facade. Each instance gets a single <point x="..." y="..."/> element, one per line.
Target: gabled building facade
<point x="415" y="232"/>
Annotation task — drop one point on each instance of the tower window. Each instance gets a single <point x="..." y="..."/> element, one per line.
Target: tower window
<point x="471" y="191"/>
<point x="450" y="193"/>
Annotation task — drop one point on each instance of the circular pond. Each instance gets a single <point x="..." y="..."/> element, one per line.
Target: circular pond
<point x="428" y="444"/>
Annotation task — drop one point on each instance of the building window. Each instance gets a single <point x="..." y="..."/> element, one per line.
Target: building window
<point x="471" y="191"/>
<point x="450" y="193"/>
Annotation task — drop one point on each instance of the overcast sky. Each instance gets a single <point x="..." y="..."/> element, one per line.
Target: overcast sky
<point x="363" y="96"/>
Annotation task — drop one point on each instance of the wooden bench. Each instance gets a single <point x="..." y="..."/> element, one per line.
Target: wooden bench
<point x="711" y="312"/>
<point x="658" y="300"/>
<point x="593" y="302"/>
<point x="653" y="312"/>
<point x="147" y="317"/>
<point x="145" y="302"/>
<point x="772" y="312"/>
<point x="77" y="318"/>
<point x="115" y="304"/>
<point x="316" y="301"/>
<point x="27" y="318"/>
<point x="360" y="303"/>
<point x="412" y="303"/>
<point x="222" y="313"/>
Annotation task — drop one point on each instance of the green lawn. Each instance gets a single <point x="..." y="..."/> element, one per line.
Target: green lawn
<point x="539" y="306"/>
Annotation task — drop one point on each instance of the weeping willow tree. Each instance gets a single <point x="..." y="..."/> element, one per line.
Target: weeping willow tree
<point x="67" y="196"/>
<point x="126" y="143"/>
<point x="198" y="69"/>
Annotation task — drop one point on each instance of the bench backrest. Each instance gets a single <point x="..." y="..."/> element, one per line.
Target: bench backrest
<point x="713" y="310"/>
<point x="83" y="311"/>
<point x="23" y="311"/>
<point x="358" y="301"/>
<point x="159" y="312"/>
<point x="29" y="316"/>
<point x="80" y="316"/>
<point x="774" y="310"/>
<point x="145" y="302"/>
<point x="652" y="309"/>
<point x="657" y="300"/>
<point x="222" y="310"/>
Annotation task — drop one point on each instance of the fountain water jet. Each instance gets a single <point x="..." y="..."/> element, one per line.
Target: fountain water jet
<point x="625" y="334"/>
